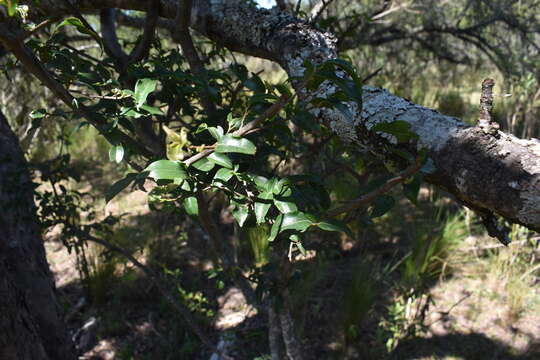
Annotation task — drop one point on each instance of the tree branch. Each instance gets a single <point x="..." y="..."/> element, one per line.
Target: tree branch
<point x="499" y="174"/>
<point x="10" y="40"/>
<point x="369" y="197"/>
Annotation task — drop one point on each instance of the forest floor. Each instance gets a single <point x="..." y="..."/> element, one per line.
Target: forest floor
<point x="483" y="304"/>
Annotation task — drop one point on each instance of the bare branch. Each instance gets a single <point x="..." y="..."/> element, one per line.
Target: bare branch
<point x="143" y="46"/>
<point x="183" y="18"/>
<point x="110" y="40"/>
<point x="317" y="10"/>
<point x="369" y="197"/>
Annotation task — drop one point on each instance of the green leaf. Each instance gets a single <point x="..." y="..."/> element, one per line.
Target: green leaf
<point x="119" y="186"/>
<point x="240" y="213"/>
<point x="11" y="7"/>
<point x="152" y="110"/>
<point x="399" y="128"/>
<point x="382" y="205"/>
<point x="296" y="240"/>
<point x="191" y="205"/>
<point x="221" y="159"/>
<point x="261" y="208"/>
<point x="275" y="228"/>
<point x="285" y="207"/>
<point x="233" y="144"/>
<point x="255" y="84"/>
<point x="116" y="153"/>
<point x="78" y="24"/>
<point x="224" y="174"/>
<point x="143" y="88"/>
<point x="38" y="114"/>
<point x="204" y="165"/>
<point x="166" y="170"/>
<point x="298" y="221"/>
<point x="216" y="132"/>
<point x="335" y="225"/>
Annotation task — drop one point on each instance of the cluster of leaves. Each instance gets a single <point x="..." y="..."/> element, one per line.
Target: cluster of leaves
<point x="206" y="151"/>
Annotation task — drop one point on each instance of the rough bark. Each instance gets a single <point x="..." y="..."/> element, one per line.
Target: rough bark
<point x="31" y="327"/>
<point x="489" y="172"/>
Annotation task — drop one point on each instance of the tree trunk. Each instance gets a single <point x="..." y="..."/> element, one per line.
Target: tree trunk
<point x="31" y="327"/>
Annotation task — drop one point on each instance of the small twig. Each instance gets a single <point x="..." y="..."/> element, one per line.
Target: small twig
<point x="369" y="197"/>
<point x="297" y="9"/>
<point x="317" y="10"/>
<point x="40" y="26"/>
<point x="444" y="314"/>
<point x="372" y="75"/>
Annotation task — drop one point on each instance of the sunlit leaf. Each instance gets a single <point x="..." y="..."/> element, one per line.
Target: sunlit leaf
<point x="221" y="159"/>
<point x="191" y="205"/>
<point x="143" y="88"/>
<point x="233" y="144"/>
<point x="116" y="153"/>
<point x="166" y="170"/>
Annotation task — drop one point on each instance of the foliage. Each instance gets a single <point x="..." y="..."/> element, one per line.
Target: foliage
<point x="258" y="160"/>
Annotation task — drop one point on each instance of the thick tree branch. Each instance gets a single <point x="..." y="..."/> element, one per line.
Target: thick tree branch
<point x="496" y="173"/>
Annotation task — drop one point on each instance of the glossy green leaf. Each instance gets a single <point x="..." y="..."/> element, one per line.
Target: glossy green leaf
<point x="284" y="206"/>
<point x="116" y="153"/>
<point x="38" y="114"/>
<point x="262" y="207"/>
<point x="334" y="225"/>
<point x="166" y="170"/>
<point x="233" y="144"/>
<point x="152" y="110"/>
<point x="216" y="132"/>
<point x="221" y="159"/>
<point x="204" y="165"/>
<point x="78" y="24"/>
<point x="240" y="213"/>
<point x="143" y="88"/>
<point x="412" y="188"/>
<point x="276" y="227"/>
<point x="298" y="221"/>
<point x="191" y="205"/>
<point x="119" y="186"/>
<point x="11" y="7"/>
<point x="224" y="174"/>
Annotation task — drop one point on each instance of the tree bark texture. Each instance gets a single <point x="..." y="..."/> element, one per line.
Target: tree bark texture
<point x="31" y="327"/>
<point x="493" y="172"/>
